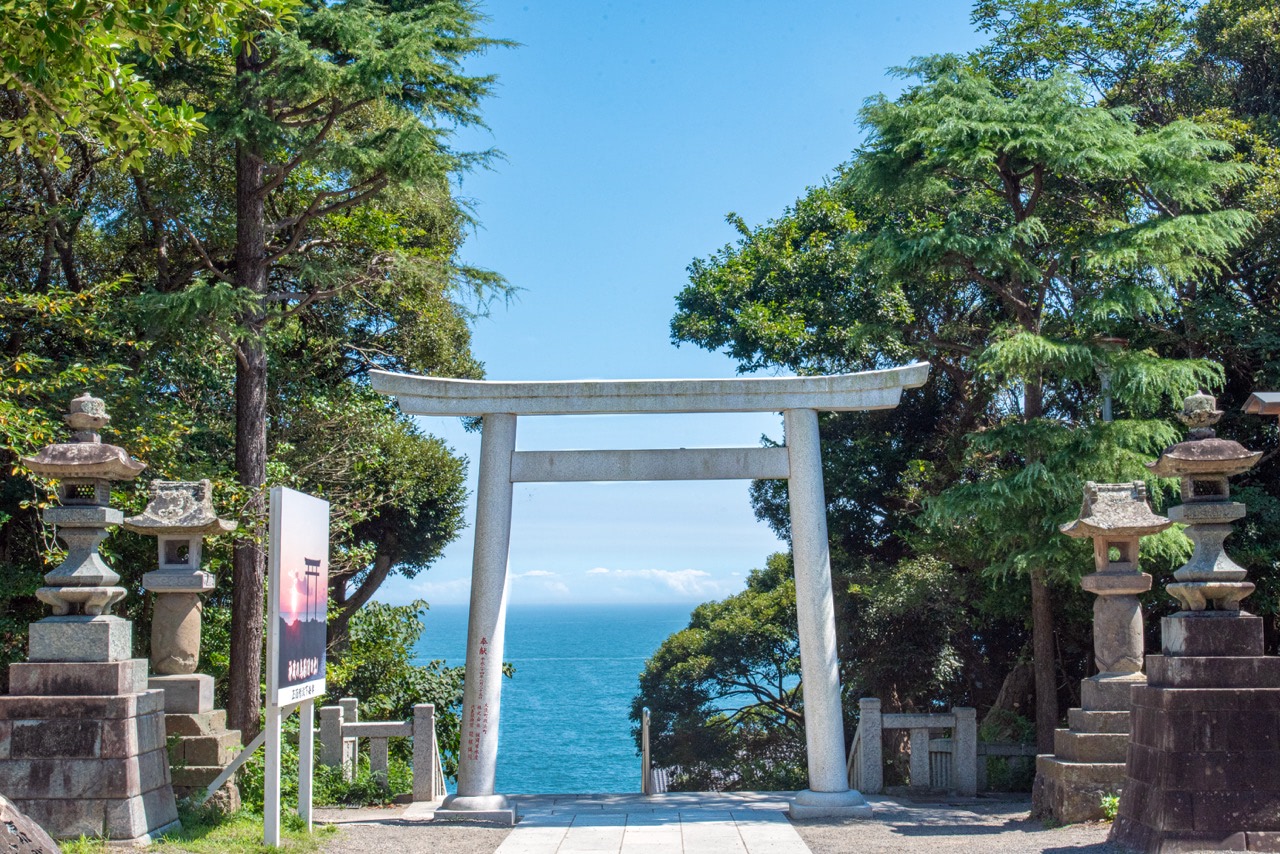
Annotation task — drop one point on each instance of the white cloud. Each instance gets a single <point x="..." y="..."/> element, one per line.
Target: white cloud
<point x="400" y="590"/>
<point x="535" y="573"/>
<point x="684" y="582"/>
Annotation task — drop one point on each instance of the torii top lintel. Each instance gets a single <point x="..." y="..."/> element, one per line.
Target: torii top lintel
<point x="419" y="395"/>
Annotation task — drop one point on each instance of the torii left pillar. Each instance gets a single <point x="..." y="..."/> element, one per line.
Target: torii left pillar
<point x="486" y="629"/>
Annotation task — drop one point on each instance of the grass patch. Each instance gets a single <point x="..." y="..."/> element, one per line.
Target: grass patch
<point x="205" y="831"/>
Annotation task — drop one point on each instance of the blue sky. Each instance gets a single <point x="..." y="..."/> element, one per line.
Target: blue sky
<point x="629" y="130"/>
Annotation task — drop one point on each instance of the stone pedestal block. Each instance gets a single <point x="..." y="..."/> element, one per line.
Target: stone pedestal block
<point x="1205" y="742"/>
<point x="1234" y="633"/>
<point x="1102" y="694"/>
<point x="88" y="765"/>
<point x="80" y="638"/>
<point x="190" y="693"/>
<point x="203" y="723"/>
<point x="89" y="679"/>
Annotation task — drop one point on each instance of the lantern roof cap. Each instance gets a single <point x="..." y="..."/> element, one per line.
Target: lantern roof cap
<point x="1212" y="456"/>
<point x="179" y="507"/>
<point x="85" y="456"/>
<point x="1115" y="509"/>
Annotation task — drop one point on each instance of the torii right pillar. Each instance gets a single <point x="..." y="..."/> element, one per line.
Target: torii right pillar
<point x="1202" y="763"/>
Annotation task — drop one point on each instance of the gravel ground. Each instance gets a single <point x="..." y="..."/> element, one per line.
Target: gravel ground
<point x="383" y="831"/>
<point x="416" y="837"/>
<point x="981" y="826"/>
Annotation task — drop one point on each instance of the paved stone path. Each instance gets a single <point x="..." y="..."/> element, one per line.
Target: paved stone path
<point x="714" y="823"/>
<point x="689" y="822"/>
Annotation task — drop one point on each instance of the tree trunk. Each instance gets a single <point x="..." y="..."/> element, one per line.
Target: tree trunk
<point x="1042" y="645"/>
<point x="244" y="704"/>
<point x="339" y="626"/>
<point x="1045" y="661"/>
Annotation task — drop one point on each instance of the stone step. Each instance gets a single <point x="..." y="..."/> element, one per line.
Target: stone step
<point x="1073" y="791"/>
<point x="196" y="776"/>
<point x="1187" y="671"/>
<point x="204" y="723"/>
<point x="1090" y="746"/>
<point x="1108" y="695"/>
<point x="213" y="749"/>
<point x="1083" y="720"/>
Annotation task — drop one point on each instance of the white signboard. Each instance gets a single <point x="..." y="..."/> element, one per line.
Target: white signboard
<point x="298" y="590"/>
<point x="298" y="593"/>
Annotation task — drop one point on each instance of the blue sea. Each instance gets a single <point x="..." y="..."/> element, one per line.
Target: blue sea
<point x="565" y="725"/>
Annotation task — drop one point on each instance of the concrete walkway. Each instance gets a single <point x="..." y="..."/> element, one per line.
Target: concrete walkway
<point x="689" y="822"/>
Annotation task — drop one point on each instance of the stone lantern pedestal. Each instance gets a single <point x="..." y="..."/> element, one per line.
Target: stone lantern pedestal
<point x="1088" y="757"/>
<point x="1205" y="743"/>
<point x="82" y="738"/>
<point x="180" y="515"/>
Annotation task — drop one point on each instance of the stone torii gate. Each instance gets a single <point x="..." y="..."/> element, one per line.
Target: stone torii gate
<point x="799" y="462"/>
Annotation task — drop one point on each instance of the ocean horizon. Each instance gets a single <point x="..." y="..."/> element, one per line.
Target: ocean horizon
<point x="564" y="725"/>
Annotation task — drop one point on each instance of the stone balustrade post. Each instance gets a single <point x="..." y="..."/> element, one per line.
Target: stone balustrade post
<point x="964" y="752"/>
<point x="379" y="759"/>
<point x="871" y="753"/>
<point x="918" y="762"/>
<point x="350" y="746"/>
<point x="331" y="736"/>
<point x="426" y="760"/>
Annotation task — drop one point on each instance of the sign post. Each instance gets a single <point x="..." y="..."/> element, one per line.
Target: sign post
<point x="298" y="597"/>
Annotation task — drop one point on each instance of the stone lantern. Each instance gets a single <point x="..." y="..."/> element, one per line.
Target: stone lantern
<point x="180" y="515"/>
<point x="1088" y="758"/>
<point x="83" y="584"/>
<point x="82" y="738"/>
<point x="1116" y="516"/>
<point x="1203" y="743"/>
<point x="1210" y="579"/>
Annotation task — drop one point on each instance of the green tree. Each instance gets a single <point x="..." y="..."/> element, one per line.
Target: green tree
<point x="724" y="693"/>
<point x="1070" y="222"/>
<point x="71" y="70"/>
<point x="1004" y="230"/>
<point x="1217" y="61"/>
<point x="336" y="129"/>
<point x="131" y="274"/>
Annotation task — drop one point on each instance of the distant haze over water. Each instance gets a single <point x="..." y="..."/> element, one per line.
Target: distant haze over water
<point x="565" y="725"/>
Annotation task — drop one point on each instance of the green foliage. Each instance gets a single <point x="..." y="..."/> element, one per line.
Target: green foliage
<point x="120" y="280"/>
<point x="724" y="694"/>
<point x="1110" y="807"/>
<point x="1027" y="233"/>
<point x="73" y="69"/>
<point x="207" y="831"/>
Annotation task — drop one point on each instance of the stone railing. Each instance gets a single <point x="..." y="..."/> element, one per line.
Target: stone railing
<point x="935" y="763"/>
<point x="341" y="731"/>
<point x="1012" y="752"/>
